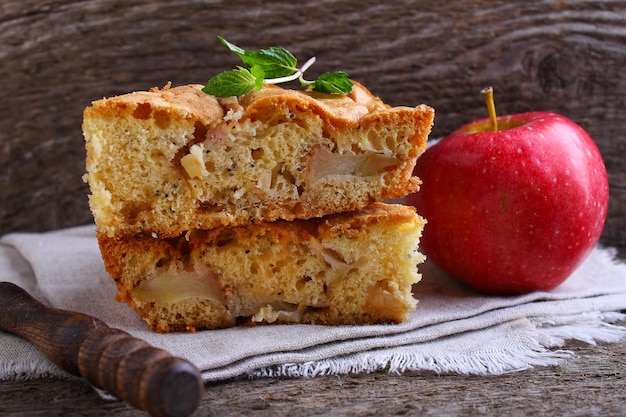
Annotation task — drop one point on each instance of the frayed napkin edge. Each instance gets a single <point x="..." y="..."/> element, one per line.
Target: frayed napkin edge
<point x="541" y="335"/>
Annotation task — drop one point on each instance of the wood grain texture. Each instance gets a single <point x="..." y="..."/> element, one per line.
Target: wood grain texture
<point x="56" y="57"/>
<point x="591" y="384"/>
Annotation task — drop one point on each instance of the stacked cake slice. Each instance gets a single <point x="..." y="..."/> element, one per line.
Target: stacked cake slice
<point x="211" y="212"/>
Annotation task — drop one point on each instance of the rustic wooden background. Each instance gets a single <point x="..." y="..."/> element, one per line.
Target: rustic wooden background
<point x="564" y="56"/>
<point x="56" y="57"/>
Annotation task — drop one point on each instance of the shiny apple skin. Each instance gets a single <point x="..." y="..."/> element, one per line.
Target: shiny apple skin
<point x="512" y="211"/>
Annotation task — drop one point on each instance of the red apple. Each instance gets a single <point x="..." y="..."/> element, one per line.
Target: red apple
<point x="514" y="210"/>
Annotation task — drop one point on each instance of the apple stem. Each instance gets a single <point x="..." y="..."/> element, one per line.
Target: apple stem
<point x="487" y="94"/>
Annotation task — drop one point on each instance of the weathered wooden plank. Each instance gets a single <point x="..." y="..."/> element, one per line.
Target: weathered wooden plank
<point x="56" y="57"/>
<point x="591" y="384"/>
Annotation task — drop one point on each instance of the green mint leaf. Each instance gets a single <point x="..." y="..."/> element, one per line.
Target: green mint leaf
<point x="234" y="82"/>
<point x="275" y="61"/>
<point x="259" y="75"/>
<point x="231" y="47"/>
<point x="333" y="83"/>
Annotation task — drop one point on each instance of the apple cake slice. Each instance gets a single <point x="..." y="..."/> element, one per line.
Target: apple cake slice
<point x="173" y="160"/>
<point x="356" y="267"/>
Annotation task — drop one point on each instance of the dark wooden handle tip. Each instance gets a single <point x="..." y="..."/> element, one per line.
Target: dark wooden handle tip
<point x="176" y="383"/>
<point x="129" y="368"/>
<point x="146" y="377"/>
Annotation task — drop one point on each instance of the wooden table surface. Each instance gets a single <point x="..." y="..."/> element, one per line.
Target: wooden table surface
<point x="593" y="383"/>
<point x="564" y="56"/>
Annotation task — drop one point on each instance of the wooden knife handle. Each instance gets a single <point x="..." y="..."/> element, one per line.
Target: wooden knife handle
<point x="129" y="368"/>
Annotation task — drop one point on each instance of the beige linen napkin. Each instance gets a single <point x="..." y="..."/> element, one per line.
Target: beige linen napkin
<point x="452" y="330"/>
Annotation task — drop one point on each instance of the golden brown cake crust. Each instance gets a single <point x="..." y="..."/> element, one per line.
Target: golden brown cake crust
<point x="177" y="159"/>
<point x="341" y="111"/>
<point x="186" y="102"/>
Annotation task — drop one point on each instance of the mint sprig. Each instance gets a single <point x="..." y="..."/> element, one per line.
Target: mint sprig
<point x="235" y="83"/>
<point x="271" y="66"/>
<point x="333" y="83"/>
